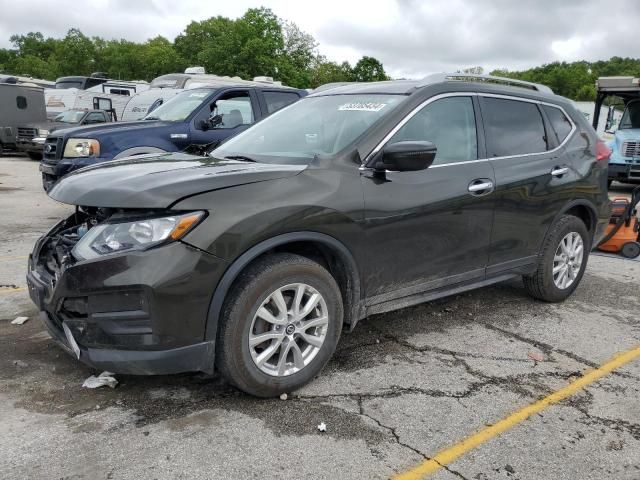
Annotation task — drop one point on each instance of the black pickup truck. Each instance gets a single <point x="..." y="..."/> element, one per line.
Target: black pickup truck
<point x="31" y="137"/>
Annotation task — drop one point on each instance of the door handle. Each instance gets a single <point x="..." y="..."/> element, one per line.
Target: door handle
<point x="559" y="171"/>
<point x="478" y="186"/>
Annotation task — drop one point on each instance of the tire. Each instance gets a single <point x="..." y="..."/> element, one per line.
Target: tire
<point x="630" y="250"/>
<point x="256" y="289"/>
<point x="543" y="284"/>
<point x="35" y="156"/>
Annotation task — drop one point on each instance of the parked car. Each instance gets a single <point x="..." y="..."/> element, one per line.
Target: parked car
<point x="20" y="103"/>
<point x="354" y="201"/>
<point x="31" y="136"/>
<point x="198" y="116"/>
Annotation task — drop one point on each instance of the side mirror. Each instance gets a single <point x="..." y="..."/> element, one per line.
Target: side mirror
<point x="215" y="120"/>
<point x="203" y="125"/>
<point x="405" y="156"/>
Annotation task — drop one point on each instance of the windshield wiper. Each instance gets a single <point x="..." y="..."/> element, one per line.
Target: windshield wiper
<point x="241" y="157"/>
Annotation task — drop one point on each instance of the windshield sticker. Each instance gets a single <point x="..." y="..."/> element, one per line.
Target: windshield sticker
<point x="198" y="94"/>
<point x="363" y="107"/>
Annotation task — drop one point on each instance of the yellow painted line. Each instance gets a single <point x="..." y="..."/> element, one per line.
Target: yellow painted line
<point x="452" y="453"/>
<point x="13" y="257"/>
<point x="12" y="290"/>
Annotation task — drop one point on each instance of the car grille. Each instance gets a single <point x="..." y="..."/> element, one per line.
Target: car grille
<point x="26" y="134"/>
<point x="631" y="149"/>
<point x="53" y="149"/>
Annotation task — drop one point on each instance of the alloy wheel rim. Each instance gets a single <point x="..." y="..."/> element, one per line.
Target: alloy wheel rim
<point x="567" y="260"/>
<point x="288" y="329"/>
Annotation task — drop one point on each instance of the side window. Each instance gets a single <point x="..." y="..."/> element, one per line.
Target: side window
<point x="21" y="102"/>
<point x="277" y="100"/>
<point x="235" y="109"/>
<point x="559" y="121"/>
<point x="512" y="127"/>
<point x="450" y="124"/>
<point x="95" y="117"/>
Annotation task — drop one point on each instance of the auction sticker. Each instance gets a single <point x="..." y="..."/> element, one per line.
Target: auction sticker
<point x="363" y="107"/>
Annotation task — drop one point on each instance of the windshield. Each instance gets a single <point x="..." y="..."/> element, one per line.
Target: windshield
<point x="70" y="116"/>
<point x="179" y="107"/>
<point x="631" y="116"/>
<point x="70" y="84"/>
<point x="313" y="126"/>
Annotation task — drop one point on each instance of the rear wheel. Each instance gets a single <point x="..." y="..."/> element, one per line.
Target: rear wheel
<point x="562" y="261"/>
<point x="280" y="325"/>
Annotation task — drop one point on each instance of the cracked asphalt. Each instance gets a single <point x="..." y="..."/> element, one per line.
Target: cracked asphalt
<point x="401" y="387"/>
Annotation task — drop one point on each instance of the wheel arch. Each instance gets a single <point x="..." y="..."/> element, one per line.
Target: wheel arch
<point x="581" y="208"/>
<point x="335" y="256"/>
<point x="585" y="211"/>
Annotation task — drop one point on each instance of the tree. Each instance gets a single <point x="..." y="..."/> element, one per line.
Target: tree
<point x="323" y="71"/>
<point x="258" y="43"/>
<point x="369" y="69"/>
<point x="296" y="60"/>
<point x="157" y="57"/>
<point x="74" y="54"/>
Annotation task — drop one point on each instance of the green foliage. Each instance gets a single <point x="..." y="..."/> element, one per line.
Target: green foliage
<point x="258" y="43"/>
<point x="368" y="69"/>
<point x="575" y="80"/>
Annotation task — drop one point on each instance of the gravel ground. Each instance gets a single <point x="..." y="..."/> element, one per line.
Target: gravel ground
<point x="401" y="387"/>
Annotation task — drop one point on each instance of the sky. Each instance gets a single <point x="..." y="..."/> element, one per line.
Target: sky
<point x="412" y="38"/>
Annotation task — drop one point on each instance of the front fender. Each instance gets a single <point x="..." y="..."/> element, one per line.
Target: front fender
<point x="232" y="272"/>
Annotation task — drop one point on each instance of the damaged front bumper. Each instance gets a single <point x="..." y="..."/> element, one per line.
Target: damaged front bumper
<point x="138" y="312"/>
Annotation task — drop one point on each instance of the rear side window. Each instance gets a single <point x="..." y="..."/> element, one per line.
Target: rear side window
<point x="512" y="127"/>
<point x="450" y="124"/>
<point x="559" y="121"/>
<point x="21" y="102"/>
<point x="277" y="100"/>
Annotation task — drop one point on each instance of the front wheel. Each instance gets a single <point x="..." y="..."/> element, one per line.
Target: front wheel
<point x="562" y="261"/>
<point x="280" y="325"/>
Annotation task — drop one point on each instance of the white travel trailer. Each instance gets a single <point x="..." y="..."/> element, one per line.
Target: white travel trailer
<point x="141" y="103"/>
<point x="111" y="96"/>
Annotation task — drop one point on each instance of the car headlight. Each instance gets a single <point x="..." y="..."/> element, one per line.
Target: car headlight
<point x="142" y="234"/>
<point x="43" y="133"/>
<point x="82" y="147"/>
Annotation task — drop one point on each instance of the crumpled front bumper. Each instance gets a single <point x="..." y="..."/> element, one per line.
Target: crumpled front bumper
<point x="134" y="313"/>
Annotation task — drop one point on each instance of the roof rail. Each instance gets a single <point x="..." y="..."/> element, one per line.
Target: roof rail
<point x="473" y="77"/>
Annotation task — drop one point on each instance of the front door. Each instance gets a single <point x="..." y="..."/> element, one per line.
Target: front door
<point x="235" y="111"/>
<point x="431" y="228"/>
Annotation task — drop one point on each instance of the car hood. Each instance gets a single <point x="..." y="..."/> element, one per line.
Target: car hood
<point x="159" y="181"/>
<point x="96" y="131"/>
<point x="624" y="134"/>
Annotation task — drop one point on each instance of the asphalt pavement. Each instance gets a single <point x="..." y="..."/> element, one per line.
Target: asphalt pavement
<point x="402" y="387"/>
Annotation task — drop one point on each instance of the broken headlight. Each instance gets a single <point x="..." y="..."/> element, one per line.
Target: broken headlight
<point x="109" y="238"/>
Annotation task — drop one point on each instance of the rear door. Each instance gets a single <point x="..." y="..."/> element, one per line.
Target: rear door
<point x="534" y="178"/>
<point x="275" y="100"/>
<point x="431" y="228"/>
